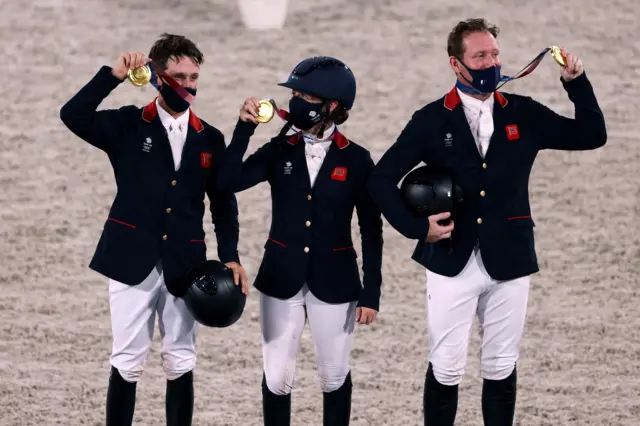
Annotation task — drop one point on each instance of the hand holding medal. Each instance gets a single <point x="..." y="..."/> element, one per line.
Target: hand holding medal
<point x="130" y="63"/>
<point x="140" y="71"/>
<point x="257" y="111"/>
<point x="571" y="65"/>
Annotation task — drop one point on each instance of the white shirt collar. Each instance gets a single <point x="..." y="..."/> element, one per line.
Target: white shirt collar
<point x="476" y="104"/>
<point x="168" y="121"/>
<point x="326" y="137"/>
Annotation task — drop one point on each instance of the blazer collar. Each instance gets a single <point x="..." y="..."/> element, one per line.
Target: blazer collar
<point x="150" y="112"/>
<point x="338" y="138"/>
<point x="452" y="99"/>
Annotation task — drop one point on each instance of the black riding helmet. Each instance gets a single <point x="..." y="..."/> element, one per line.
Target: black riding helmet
<point x="212" y="297"/>
<point x="325" y="77"/>
<point x="430" y="190"/>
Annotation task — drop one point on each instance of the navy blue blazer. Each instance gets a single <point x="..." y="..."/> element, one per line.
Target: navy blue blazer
<point x="310" y="237"/>
<point x="157" y="213"/>
<point x="496" y="211"/>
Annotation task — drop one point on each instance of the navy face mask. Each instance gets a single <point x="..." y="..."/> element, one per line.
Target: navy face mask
<point x="173" y="100"/>
<point x="304" y="114"/>
<point x="483" y="81"/>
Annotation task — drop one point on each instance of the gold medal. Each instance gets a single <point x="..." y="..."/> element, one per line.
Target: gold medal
<point x="139" y="76"/>
<point x="266" y="111"/>
<point x="557" y="55"/>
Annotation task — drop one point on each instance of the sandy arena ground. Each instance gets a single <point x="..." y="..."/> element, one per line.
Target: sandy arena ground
<point x="580" y="361"/>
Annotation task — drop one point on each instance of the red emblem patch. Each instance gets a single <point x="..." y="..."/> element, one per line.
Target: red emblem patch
<point x="339" y="173"/>
<point x="512" y="132"/>
<point x="205" y="159"/>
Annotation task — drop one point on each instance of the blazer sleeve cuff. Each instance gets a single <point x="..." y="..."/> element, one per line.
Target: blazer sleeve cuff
<point x="105" y="79"/>
<point x="418" y="231"/>
<point x="229" y="256"/>
<point x="244" y="129"/>
<point x="370" y="298"/>
<point x="579" y="85"/>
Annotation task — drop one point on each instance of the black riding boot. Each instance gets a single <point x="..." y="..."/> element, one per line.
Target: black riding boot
<point x="440" y="402"/>
<point x="121" y="400"/>
<point x="499" y="400"/>
<point x="276" y="409"/>
<point x="337" y="405"/>
<point x="179" y="400"/>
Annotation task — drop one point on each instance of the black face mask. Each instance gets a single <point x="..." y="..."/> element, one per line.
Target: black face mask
<point x="304" y="114"/>
<point x="173" y="100"/>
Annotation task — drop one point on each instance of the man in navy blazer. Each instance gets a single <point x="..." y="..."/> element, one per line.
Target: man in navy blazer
<point x="480" y="256"/>
<point x="164" y="159"/>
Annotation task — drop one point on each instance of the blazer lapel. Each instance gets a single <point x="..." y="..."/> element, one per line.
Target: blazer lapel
<point x="332" y="160"/>
<point x="191" y="145"/>
<point x="458" y="120"/>
<point x="194" y="134"/>
<point x="500" y="121"/>
<point x="158" y="132"/>
<point x="300" y="160"/>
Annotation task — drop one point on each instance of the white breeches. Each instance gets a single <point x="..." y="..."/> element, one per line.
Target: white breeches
<point x="133" y="313"/>
<point x="282" y="323"/>
<point x="452" y="304"/>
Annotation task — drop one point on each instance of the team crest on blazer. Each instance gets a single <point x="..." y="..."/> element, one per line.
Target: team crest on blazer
<point x="512" y="132"/>
<point x="287" y="168"/>
<point x="448" y="140"/>
<point x="146" y="145"/>
<point x="339" y="173"/>
<point x="205" y="159"/>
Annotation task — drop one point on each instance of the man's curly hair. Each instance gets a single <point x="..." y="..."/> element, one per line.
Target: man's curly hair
<point x="455" y="45"/>
<point x="173" y="46"/>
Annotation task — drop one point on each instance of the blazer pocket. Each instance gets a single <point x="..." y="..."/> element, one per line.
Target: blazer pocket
<point x="121" y="222"/>
<point x="519" y="233"/>
<point x="276" y="242"/>
<point x="345" y="249"/>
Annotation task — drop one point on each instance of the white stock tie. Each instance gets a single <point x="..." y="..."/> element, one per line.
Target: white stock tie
<point x="315" y="150"/>
<point x="485" y="129"/>
<point x="315" y="153"/>
<point x="174" y="133"/>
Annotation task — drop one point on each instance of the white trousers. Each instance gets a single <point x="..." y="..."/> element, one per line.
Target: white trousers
<point x="282" y="323"/>
<point x="452" y="304"/>
<point x="133" y="313"/>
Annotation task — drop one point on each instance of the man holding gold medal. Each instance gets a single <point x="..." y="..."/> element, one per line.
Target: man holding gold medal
<point x="309" y="271"/>
<point x="165" y="159"/>
<point x="480" y="256"/>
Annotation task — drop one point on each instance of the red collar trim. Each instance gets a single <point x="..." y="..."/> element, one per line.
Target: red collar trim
<point x="452" y="99"/>
<point x="150" y="112"/>
<point x="499" y="97"/>
<point x="338" y="138"/>
<point x="294" y="139"/>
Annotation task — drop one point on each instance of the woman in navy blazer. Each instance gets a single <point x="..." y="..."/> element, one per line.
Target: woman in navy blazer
<point x="309" y="270"/>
